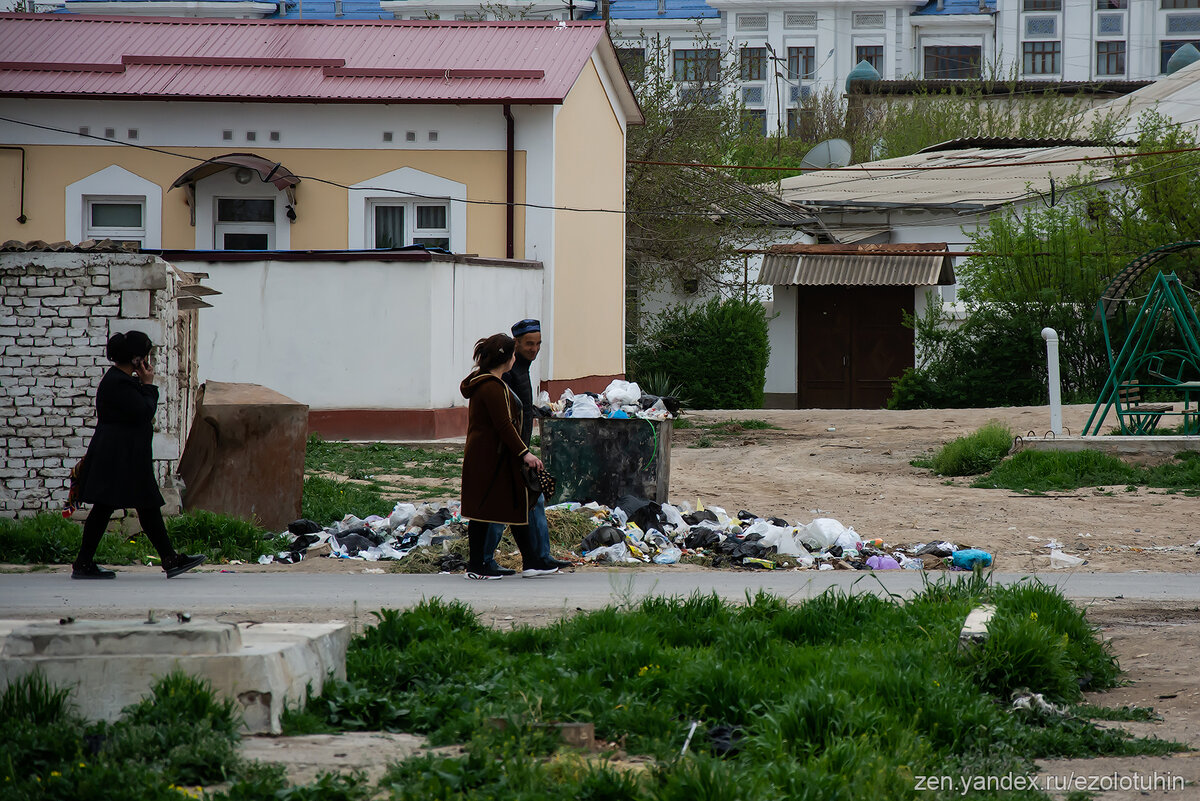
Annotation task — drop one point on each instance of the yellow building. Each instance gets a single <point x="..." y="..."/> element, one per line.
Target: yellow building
<point x="247" y="141"/>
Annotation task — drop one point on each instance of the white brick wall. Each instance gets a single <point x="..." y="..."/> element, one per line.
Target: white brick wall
<point x="57" y="311"/>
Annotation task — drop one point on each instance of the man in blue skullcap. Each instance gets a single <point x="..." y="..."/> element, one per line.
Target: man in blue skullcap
<point x="528" y="336"/>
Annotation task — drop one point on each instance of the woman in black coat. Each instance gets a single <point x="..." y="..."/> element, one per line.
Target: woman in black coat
<point x="118" y="470"/>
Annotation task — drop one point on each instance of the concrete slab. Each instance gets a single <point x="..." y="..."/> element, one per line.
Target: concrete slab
<point x="1115" y="445"/>
<point x="111" y="664"/>
<point x="308" y="756"/>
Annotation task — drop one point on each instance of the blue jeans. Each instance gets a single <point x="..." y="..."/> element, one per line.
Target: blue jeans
<point x="539" y="535"/>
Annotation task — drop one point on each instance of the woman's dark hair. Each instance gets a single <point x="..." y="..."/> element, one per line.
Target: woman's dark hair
<point x="494" y="351"/>
<point x="125" y="347"/>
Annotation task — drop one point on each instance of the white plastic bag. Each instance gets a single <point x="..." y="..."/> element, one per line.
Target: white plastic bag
<point x="821" y="533"/>
<point x="674" y="518"/>
<point x="618" y="553"/>
<point x="584" y="408"/>
<point x="849" y="540"/>
<point x="622" y="393"/>
<point x="1060" y="560"/>
<point x="668" y="556"/>
<point x="783" y="540"/>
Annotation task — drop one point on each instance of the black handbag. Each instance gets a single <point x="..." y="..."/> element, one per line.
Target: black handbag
<point x="538" y="481"/>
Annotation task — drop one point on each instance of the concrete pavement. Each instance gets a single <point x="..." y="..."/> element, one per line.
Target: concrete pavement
<point x="297" y="596"/>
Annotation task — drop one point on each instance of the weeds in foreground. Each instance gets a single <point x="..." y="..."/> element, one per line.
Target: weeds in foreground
<point x="839" y="696"/>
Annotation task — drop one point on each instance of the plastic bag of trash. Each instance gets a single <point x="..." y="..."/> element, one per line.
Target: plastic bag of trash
<point x="618" y="553"/>
<point x="543" y="398"/>
<point x="783" y="540"/>
<point x="622" y="393"/>
<point x="602" y="537"/>
<point x="821" y="533"/>
<point x="668" y="556"/>
<point x="674" y="518"/>
<point x="584" y="408"/>
<point x="849" y="540"/>
<point x="882" y="563"/>
<point x="969" y="557"/>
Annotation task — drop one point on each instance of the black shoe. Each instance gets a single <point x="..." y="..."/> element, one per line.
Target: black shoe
<point x="559" y="563"/>
<point x="493" y="568"/>
<point x="91" y="571"/>
<point x="183" y="563"/>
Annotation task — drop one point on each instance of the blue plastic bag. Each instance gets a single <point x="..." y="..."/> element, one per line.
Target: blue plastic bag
<point x="969" y="557"/>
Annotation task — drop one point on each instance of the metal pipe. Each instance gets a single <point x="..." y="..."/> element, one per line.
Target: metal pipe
<point x="22" y="219"/>
<point x="510" y="183"/>
<point x="1051" y="337"/>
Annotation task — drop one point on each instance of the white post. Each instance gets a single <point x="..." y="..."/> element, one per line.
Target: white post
<point x="1051" y="337"/>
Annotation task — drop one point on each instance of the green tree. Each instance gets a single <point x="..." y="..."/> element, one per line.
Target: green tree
<point x="1047" y="265"/>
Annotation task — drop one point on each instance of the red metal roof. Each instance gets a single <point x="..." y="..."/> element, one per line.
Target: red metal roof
<point x="332" y="61"/>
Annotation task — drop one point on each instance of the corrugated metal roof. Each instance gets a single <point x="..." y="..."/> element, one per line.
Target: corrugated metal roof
<point x="1175" y="96"/>
<point x="299" y="60"/>
<point x="857" y="265"/>
<point x="86" y="246"/>
<point x="973" y="179"/>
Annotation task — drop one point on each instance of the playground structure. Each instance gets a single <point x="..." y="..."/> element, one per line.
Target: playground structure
<point x="1160" y="356"/>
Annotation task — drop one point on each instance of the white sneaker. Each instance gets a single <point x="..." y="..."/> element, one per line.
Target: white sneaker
<point x="538" y="572"/>
<point x="481" y="577"/>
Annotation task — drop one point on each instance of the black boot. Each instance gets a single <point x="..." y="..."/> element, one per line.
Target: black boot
<point x="90" y="570"/>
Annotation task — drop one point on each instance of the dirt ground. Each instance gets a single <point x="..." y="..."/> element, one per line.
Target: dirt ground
<point x="853" y="465"/>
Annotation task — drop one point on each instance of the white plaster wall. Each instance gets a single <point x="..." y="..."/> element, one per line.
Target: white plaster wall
<point x="781" y="333"/>
<point x="355" y="335"/>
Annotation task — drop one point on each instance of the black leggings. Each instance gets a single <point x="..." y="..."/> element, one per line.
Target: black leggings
<point x="97" y="521"/>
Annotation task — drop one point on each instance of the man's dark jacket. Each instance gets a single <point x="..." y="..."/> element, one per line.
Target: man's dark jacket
<point x="518" y="379"/>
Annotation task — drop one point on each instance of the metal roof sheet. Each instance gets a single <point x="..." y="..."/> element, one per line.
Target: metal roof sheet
<point x="300" y="60"/>
<point x="969" y="179"/>
<point x="857" y="265"/>
<point x="1175" y="96"/>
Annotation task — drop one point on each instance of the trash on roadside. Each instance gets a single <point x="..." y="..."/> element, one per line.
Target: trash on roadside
<point x="968" y="558"/>
<point x="1060" y="560"/>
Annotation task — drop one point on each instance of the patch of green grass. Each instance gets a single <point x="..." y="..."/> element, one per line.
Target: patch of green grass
<point x="359" y="460"/>
<point x="1045" y="471"/>
<point x="702" y="442"/>
<point x="48" y="538"/>
<point x="1093" y="712"/>
<point x="839" y="696"/>
<point x="180" y="735"/>
<point x="975" y="453"/>
<point x="51" y="539"/>
<point x="326" y="500"/>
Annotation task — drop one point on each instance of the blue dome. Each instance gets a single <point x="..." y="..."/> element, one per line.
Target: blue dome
<point x="863" y="71"/>
<point x="1188" y="54"/>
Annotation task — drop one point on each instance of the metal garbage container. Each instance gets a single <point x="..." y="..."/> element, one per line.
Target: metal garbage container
<point x="601" y="460"/>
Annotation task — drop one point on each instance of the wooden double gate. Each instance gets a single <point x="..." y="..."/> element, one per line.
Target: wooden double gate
<point x="851" y="343"/>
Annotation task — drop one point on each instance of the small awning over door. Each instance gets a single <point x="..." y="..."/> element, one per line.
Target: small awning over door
<point x="924" y="264"/>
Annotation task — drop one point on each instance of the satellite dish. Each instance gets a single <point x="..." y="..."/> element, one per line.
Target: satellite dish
<point x="830" y="153"/>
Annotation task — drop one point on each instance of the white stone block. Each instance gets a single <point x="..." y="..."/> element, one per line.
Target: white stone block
<point x="137" y="276"/>
<point x="135" y="303"/>
<point x="151" y="328"/>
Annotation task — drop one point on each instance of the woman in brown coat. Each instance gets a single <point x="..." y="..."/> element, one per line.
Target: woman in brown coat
<point x="493" y="489"/>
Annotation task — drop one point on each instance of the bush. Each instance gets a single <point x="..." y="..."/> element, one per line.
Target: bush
<point x="715" y="352"/>
<point x="326" y="500"/>
<point x="974" y="454"/>
<point x="46" y="538"/>
<point x="995" y="358"/>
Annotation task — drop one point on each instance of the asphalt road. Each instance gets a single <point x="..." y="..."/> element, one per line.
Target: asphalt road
<point x="329" y="596"/>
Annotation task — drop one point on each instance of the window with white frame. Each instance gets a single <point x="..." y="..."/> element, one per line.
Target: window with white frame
<point x="119" y="218"/>
<point x="117" y="204"/>
<point x="244" y="223"/>
<point x="395" y="224"/>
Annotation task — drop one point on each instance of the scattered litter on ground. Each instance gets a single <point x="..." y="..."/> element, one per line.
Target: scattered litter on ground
<point x="431" y="538"/>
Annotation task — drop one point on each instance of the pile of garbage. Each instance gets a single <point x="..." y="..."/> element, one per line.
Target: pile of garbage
<point x="408" y="528"/>
<point x="638" y="530"/>
<point x="622" y="400"/>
